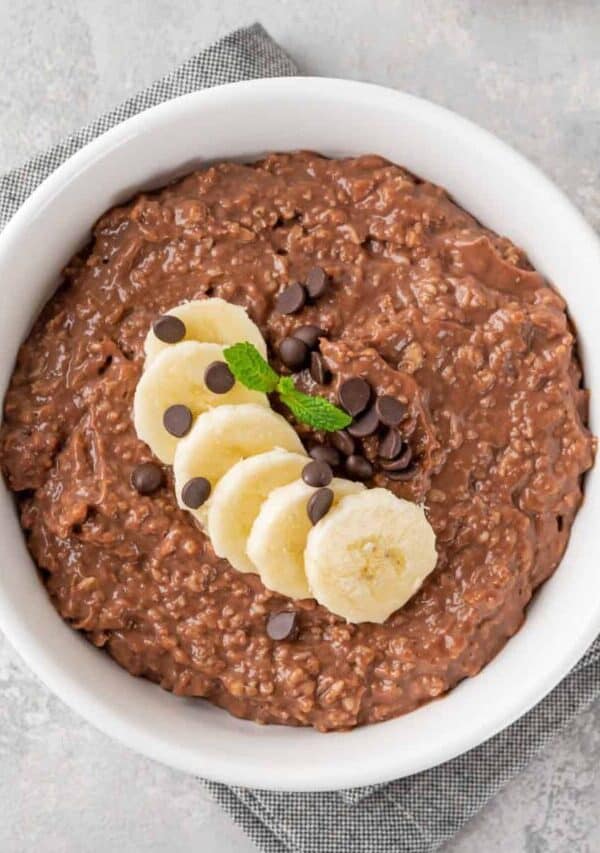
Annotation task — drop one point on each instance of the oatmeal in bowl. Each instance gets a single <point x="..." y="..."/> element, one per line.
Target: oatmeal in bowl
<point x="291" y="561"/>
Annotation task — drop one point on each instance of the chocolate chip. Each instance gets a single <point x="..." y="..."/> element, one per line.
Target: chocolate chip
<point x="309" y="335"/>
<point x="317" y="473"/>
<point x="195" y="492"/>
<point x="390" y="410"/>
<point x="344" y="442"/>
<point x="177" y="420"/>
<point x="365" y="425"/>
<point x="407" y="474"/>
<point x="401" y="462"/>
<point x="169" y="329"/>
<point x="293" y="353"/>
<point x="354" y="395"/>
<point x="319" y="504"/>
<point x="291" y="300"/>
<point x="358" y="467"/>
<point x="317" y="281"/>
<point x="391" y="445"/>
<point x="218" y="378"/>
<point x="146" y="478"/>
<point x="318" y="371"/>
<point x="283" y="625"/>
<point x="323" y="453"/>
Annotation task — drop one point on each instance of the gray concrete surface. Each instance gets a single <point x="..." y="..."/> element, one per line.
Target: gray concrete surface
<point x="529" y="71"/>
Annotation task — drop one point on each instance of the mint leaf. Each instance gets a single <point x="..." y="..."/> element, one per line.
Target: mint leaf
<point x="317" y="412"/>
<point x="285" y="386"/>
<point x="250" y="368"/>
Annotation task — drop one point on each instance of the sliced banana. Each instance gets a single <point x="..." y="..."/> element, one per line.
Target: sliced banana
<point x="238" y="497"/>
<point x="224" y="436"/>
<point x="176" y="376"/>
<point x="278" y="537"/>
<point x="369" y="555"/>
<point x="209" y="321"/>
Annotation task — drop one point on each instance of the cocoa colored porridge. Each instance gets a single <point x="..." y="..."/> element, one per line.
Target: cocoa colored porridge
<point x="421" y="301"/>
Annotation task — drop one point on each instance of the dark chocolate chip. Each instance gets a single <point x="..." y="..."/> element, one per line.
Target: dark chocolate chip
<point x="218" y="377"/>
<point x="293" y="353"/>
<point x="391" y="445"/>
<point x="195" y="492"/>
<point x="354" y="395"/>
<point x="283" y="625"/>
<point x="169" y="329"/>
<point x="344" y="442"/>
<point x="358" y="467"/>
<point x="317" y="281"/>
<point x="319" y="504"/>
<point x="390" y="410"/>
<point x="365" y="425"/>
<point x="317" y="474"/>
<point x="318" y="371"/>
<point x="323" y="453"/>
<point x="407" y="474"/>
<point x="291" y="300"/>
<point x="309" y="335"/>
<point x="177" y="420"/>
<point x="147" y="478"/>
<point x="401" y="462"/>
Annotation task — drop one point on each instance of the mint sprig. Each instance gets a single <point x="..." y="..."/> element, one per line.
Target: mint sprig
<point x="254" y="372"/>
<point x="250" y="368"/>
<point x="314" y="411"/>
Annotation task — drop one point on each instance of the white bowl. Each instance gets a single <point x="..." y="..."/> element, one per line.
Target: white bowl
<point x="339" y="118"/>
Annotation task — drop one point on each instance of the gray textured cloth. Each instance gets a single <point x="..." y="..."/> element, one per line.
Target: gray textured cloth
<point x="416" y="814"/>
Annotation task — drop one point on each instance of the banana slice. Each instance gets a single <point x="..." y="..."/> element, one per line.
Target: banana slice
<point x="369" y="555"/>
<point x="278" y="537"/>
<point x="209" y="321"/>
<point x="238" y="497"/>
<point x="176" y="376"/>
<point x="224" y="436"/>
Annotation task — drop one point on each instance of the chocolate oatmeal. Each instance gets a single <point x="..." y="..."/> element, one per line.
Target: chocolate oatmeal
<point x="470" y="360"/>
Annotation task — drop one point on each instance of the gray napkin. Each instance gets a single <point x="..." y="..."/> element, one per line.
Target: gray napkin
<point x="416" y="814"/>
